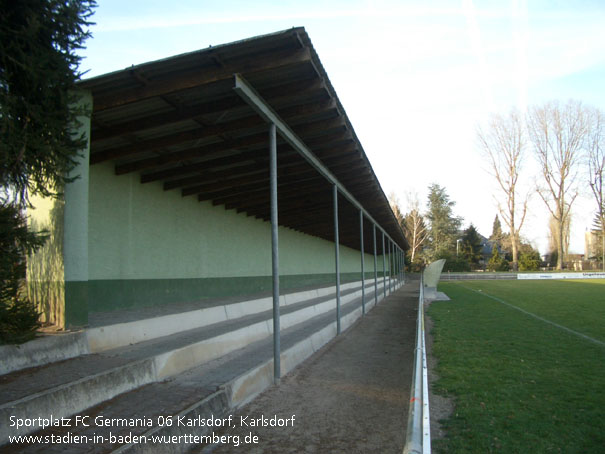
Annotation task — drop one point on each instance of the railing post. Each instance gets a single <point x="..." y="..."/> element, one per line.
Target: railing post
<point x="337" y="254"/>
<point x="274" y="252"/>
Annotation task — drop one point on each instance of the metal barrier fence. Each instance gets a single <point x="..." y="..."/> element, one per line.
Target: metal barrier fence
<point x="418" y="438"/>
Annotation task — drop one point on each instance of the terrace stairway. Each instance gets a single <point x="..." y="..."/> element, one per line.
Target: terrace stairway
<point x="198" y="363"/>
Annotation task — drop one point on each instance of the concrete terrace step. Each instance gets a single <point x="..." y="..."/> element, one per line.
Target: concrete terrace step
<point x="108" y="337"/>
<point x="212" y="389"/>
<point x="39" y="379"/>
<point x="70" y="386"/>
<point x="52" y="348"/>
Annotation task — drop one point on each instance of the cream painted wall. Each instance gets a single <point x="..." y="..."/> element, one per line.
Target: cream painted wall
<point x="140" y="231"/>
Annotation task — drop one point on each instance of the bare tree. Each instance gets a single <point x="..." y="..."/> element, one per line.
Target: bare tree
<point x="503" y="143"/>
<point x="596" y="168"/>
<point x="396" y="207"/>
<point x="415" y="227"/>
<point x="559" y="134"/>
<point x="553" y="234"/>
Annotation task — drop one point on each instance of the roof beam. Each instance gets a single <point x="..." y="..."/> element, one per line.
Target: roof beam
<point x="259" y="154"/>
<point x="238" y="181"/>
<point x="258" y="166"/>
<point x="195" y="78"/>
<point x="192" y="112"/>
<point x="158" y="143"/>
<point x="192" y="153"/>
<point x="231" y="161"/>
<point x="288" y="197"/>
<point x="185" y="113"/>
<point x="246" y="189"/>
<point x="260" y="197"/>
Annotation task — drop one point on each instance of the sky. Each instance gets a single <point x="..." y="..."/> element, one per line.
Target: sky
<point x="416" y="78"/>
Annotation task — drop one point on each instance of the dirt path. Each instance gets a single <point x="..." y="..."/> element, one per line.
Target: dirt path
<point x="351" y="397"/>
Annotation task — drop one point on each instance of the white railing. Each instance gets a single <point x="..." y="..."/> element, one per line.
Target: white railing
<point x="418" y="438"/>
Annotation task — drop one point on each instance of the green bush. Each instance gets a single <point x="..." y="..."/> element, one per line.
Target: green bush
<point x="18" y="322"/>
<point x="497" y="262"/>
<point x="529" y="261"/>
<point x="416" y="266"/>
<point x="453" y="263"/>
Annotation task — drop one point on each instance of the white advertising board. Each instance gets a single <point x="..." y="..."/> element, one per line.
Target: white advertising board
<point x="584" y="275"/>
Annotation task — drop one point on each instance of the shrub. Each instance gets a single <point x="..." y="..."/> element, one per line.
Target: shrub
<point x="453" y="263"/>
<point x="496" y="261"/>
<point x="529" y="261"/>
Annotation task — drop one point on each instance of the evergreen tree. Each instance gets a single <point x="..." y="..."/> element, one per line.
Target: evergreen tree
<point x="38" y="71"/>
<point x="597" y="225"/>
<point x="496" y="261"/>
<point x="18" y="317"/>
<point x="444" y="226"/>
<point x="455" y="264"/>
<point x="529" y="258"/>
<point x="597" y="230"/>
<point x="497" y="234"/>
<point x="472" y="245"/>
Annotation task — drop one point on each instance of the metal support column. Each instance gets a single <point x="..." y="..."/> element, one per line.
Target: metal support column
<point x="274" y="252"/>
<point x="394" y="262"/>
<point x="400" y="266"/>
<point x="336" y="251"/>
<point x="390" y="267"/>
<point x="402" y="254"/>
<point x="396" y="267"/>
<point x="363" y="274"/>
<point x="396" y="252"/>
<point x="396" y="249"/>
<point x="384" y="267"/>
<point x="403" y="274"/>
<point x="375" y="268"/>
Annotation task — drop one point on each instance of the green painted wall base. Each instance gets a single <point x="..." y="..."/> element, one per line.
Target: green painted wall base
<point x="110" y="295"/>
<point x="76" y="304"/>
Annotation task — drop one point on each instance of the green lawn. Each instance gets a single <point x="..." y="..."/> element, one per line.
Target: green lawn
<point x="521" y="385"/>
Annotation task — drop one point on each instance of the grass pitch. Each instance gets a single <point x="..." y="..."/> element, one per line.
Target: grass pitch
<point x="522" y="382"/>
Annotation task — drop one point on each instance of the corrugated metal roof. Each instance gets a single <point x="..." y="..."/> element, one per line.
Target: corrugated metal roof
<point x="179" y="121"/>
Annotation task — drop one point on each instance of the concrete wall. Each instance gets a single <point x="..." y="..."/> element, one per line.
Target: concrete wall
<point x="148" y="246"/>
<point x="57" y="275"/>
